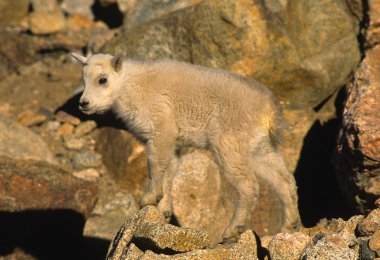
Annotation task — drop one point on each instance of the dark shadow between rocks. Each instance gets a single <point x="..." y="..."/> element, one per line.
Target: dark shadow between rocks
<point x="318" y="190"/>
<point x="50" y="234"/>
<point x="107" y="119"/>
<point x="110" y="14"/>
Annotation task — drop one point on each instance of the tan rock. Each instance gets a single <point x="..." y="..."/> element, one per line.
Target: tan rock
<point x="370" y="224"/>
<point x="288" y="246"/>
<point x="65" y="129"/>
<point x="373" y="30"/>
<point x="374" y="242"/>
<point x="196" y="207"/>
<point x="77" y="22"/>
<point x="29" y="118"/>
<point x="87" y="174"/>
<point x="122" y="239"/>
<point x="166" y="236"/>
<point x="12" y="12"/>
<point x="64" y="117"/>
<point x="85" y="128"/>
<point x="46" y="23"/>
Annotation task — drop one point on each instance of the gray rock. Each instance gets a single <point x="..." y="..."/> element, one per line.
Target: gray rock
<point x="87" y="160"/>
<point x="113" y="207"/>
<point x="19" y="142"/>
<point x="325" y="250"/>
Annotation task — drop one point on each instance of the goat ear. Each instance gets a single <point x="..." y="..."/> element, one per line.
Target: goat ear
<point x="79" y="58"/>
<point x="117" y="62"/>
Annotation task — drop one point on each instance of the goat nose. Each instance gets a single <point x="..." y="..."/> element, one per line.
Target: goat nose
<point x="83" y="103"/>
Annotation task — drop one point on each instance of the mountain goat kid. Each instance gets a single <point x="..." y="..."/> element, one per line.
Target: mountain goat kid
<point x="169" y="105"/>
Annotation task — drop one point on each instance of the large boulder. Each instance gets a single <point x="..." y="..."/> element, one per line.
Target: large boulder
<point x="33" y="185"/>
<point x="358" y="152"/>
<point x="18" y="142"/>
<point x="303" y="50"/>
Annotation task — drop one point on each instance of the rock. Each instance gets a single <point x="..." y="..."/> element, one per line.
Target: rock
<point x="13" y="11"/>
<point x="357" y="156"/>
<point x="288" y="246"/>
<point x="373" y="30"/>
<point x="46" y="17"/>
<point x="290" y="46"/>
<point x="374" y="242"/>
<point x="87" y="160"/>
<point x="196" y="207"/>
<point x="124" y="157"/>
<point x="148" y="223"/>
<point x="29" y="118"/>
<point x="46" y="23"/>
<point x="73" y="143"/>
<point x="125" y="234"/>
<point x="87" y="174"/>
<point x="81" y="7"/>
<point x="18" y="142"/>
<point x="139" y="12"/>
<point x="370" y="224"/>
<point x="64" y="117"/>
<point x="85" y="128"/>
<point x="18" y="254"/>
<point x="37" y="185"/>
<point x="65" y="129"/>
<point x="166" y="236"/>
<point x="78" y="22"/>
<point x="324" y="250"/>
<point x="113" y="207"/>
<point x="365" y="252"/>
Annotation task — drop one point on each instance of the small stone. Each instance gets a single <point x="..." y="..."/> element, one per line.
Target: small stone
<point x="73" y="143"/>
<point x="64" y="117"/>
<point x="65" y="129"/>
<point x="85" y="128"/>
<point x="29" y="118"/>
<point x="281" y="243"/>
<point x="5" y="109"/>
<point x="87" y="174"/>
<point x="364" y="251"/>
<point x="87" y="160"/>
<point x="374" y="242"/>
<point x="52" y="126"/>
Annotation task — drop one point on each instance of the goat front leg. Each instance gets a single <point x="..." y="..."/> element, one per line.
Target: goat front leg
<point x="161" y="159"/>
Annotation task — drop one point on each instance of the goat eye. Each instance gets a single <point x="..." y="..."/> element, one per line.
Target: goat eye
<point x="102" y="81"/>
